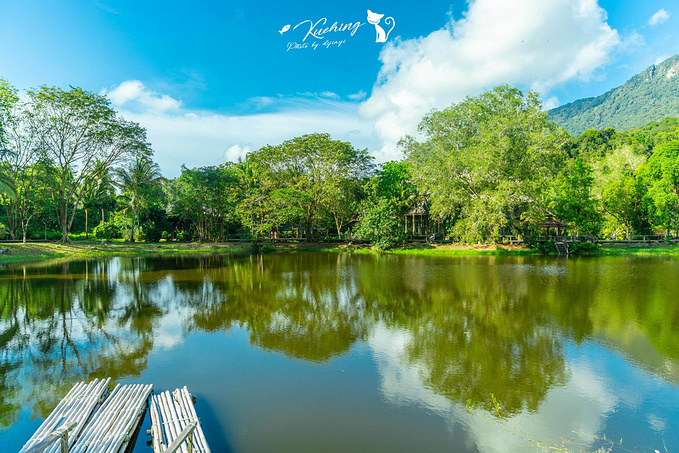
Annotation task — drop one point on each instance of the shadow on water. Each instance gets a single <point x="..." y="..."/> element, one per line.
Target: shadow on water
<point x="212" y="428"/>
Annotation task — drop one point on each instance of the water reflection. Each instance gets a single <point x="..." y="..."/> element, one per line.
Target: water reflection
<point x="447" y="333"/>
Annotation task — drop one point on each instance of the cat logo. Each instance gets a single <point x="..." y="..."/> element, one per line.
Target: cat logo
<point x="374" y="19"/>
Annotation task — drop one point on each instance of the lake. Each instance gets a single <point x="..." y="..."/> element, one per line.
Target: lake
<point x="309" y="352"/>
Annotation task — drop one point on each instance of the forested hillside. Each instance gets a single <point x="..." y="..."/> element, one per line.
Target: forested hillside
<point x="649" y="96"/>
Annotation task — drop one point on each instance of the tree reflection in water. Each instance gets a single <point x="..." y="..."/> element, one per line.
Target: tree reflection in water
<point x="475" y="326"/>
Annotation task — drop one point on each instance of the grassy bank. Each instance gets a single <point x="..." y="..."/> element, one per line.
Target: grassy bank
<point x="419" y="249"/>
<point x="18" y="253"/>
<point x="640" y="250"/>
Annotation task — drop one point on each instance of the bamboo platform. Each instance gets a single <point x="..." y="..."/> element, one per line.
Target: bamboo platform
<point x="174" y="423"/>
<point x="70" y="416"/>
<point x="91" y="420"/>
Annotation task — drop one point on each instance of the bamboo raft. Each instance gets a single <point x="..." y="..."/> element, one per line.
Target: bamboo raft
<point x="174" y="423"/>
<point x="68" y="418"/>
<point x="90" y="419"/>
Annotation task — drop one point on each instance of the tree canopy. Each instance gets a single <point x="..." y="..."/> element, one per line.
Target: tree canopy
<point x="487" y="161"/>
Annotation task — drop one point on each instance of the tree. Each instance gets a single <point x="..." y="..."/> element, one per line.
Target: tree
<point x="389" y="195"/>
<point x="315" y="166"/>
<point x="661" y="176"/>
<point x="206" y="197"/>
<point x="616" y="181"/>
<point x="380" y="223"/>
<point x="623" y="201"/>
<point x="487" y="161"/>
<point x="20" y="163"/>
<point x="8" y="100"/>
<point x="81" y="135"/>
<point x="137" y="182"/>
<point x="100" y="194"/>
<point x="573" y="198"/>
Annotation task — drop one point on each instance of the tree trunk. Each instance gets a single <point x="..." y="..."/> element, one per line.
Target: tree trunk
<point x="134" y="215"/>
<point x="64" y="235"/>
<point x="63" y="221"/>
<point x="86" y="236"/>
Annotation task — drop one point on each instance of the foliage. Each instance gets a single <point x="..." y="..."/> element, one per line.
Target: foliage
<point x="81" y="135"/>
<point x="573" y="201"/>
<point x="107" y="231"/>
<point x="648" y="96"/>
<point x="379" y="220"/>
<point x="487" y="161"/>
<point x="314" y="169"/>
<point x="394" y="182"/>
<point x="8" y="100"/>
<point x="154" y="223"/>
<point x="205" y="199"/>
<point x="661" y="175"/>
<point x="583" y="248"/>
<point x="140" y="182"/>
<point x="490" y="165"/>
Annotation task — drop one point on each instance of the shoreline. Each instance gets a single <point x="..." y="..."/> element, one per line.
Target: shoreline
<point x="20" y="253"/>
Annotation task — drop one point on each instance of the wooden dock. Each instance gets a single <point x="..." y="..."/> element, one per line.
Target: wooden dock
<point x="90" y="419"/>
<point x="174" y="424"/>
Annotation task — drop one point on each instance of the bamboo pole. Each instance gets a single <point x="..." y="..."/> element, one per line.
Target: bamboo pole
<point x="171" y="414"/>
<point x="76" y="407"/>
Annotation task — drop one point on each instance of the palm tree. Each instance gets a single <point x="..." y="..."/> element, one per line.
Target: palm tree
<point x="100" y="193"/>
<point x="136" y="182"/>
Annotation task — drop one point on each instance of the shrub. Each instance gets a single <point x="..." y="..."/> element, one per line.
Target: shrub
<point x="583" y="248"/>
<point x="106" y="231"/>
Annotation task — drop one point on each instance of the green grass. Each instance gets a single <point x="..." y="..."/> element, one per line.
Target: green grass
<point x="656" y="250"/>
<point x="19" y="253"/>
<point x="422" y="250"/>
<point x="462" y="252"/>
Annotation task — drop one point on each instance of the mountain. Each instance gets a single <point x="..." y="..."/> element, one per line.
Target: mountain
<point x="648" y="96"/>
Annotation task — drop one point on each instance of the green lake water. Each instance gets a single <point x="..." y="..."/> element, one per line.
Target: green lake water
<point x="323" y="352"/>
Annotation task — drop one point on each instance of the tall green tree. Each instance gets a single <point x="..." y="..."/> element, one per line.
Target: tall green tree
<point x="206" y="197"/>
<point x="316" y="167"/>
<point x="100" y="196"/>
<point x="137" y="183"/>
<point x="81" y="135"/>
<point x="617" y="183"/>
<point x="573" y="200"/>
<point x="661" y="176"/>
<point x="487" y="161"/>
<point x="9" y="98"/>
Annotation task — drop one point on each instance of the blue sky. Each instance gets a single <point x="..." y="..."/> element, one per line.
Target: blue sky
<point x="211" y="82"/>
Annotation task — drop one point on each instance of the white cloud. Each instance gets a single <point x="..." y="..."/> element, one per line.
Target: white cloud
<point x="236" y="152"/>
<point x="661" y="58"/>
<point x="201" y="138"/>
<point x="550" y="103"/>
<point x="532" y="43"/>
<point x="358" y="96"/>
<point x="133" y="94"/>
<point x="329" y="95"/>
<point x="576" y="409"/>
<point x="658" y="18"/>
